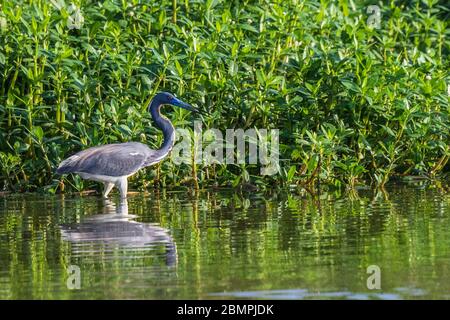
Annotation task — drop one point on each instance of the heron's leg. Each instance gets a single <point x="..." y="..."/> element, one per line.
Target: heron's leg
<point x="107" y="190"/>
<point x="122" y="184"/>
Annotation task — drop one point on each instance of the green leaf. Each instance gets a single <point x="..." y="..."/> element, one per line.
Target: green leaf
<point x="38" y="132"/>
<point x="291" y="173"/>
<point x="260" y="77"/>
<point x="179" y="68"/>
<point x="350" y="85"/>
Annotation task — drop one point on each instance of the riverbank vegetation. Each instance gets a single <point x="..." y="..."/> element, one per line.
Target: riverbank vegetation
<point x="360" y="93"/>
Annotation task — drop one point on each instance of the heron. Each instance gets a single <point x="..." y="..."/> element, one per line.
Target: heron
<point x="112" y="164"/>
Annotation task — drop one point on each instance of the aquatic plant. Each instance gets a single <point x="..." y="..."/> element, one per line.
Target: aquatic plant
<point x="355" y="102"/>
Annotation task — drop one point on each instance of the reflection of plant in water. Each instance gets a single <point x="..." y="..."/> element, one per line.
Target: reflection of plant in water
<point x="229" y="242"/>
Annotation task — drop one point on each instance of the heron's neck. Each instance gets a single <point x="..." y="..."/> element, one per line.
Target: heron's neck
<point x="165" y="125"/>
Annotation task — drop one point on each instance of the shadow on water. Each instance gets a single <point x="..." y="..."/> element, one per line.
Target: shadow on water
<point x="115" y="228"/>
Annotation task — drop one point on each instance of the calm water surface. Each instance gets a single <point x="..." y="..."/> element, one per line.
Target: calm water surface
<point x="226" y="245"/>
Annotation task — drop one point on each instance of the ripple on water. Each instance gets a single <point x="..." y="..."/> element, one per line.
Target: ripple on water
<point x="227" y="245"/>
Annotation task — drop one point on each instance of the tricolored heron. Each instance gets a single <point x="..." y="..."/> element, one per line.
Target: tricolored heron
<point x="113" y="163"/>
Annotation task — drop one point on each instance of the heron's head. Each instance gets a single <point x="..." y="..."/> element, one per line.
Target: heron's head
<point x="168" y="98"/>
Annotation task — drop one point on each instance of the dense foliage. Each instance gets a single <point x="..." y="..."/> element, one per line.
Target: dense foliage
<point x="354" y="102"/>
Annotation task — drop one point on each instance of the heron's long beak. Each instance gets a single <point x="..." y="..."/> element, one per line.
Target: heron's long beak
<point x="184" y="105"/>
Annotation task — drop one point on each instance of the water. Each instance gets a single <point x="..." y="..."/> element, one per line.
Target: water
<point x="225" y="245"/>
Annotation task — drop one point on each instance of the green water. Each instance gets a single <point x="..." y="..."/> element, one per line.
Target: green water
<point x="219" y="245"/>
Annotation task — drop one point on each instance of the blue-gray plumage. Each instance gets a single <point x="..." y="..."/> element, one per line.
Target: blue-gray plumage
<point x="112" y="164"/>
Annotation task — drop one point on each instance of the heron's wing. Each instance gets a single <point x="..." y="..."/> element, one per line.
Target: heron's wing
<point x="154" y="156"/>
<point x="114" y="160"/>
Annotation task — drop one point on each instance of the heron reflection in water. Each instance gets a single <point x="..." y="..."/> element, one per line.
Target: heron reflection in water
<point x="116" y="227"/>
